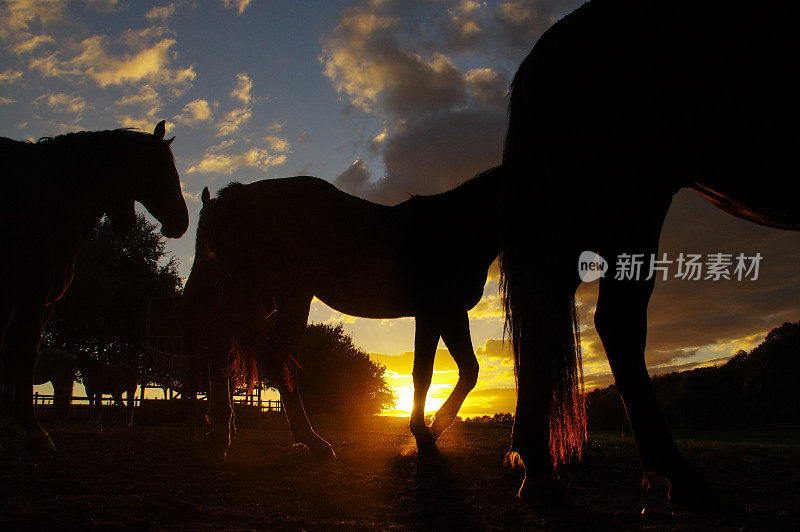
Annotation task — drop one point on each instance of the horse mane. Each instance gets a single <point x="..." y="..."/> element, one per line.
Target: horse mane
<point x="474" y="185"/>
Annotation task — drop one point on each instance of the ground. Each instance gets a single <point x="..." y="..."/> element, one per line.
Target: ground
<point x="154" y="477"/>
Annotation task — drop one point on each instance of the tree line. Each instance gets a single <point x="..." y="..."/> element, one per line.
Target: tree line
<point x="751" y="388"/>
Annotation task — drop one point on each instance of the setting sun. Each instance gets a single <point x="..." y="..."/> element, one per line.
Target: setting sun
<point x="405" y="400"/>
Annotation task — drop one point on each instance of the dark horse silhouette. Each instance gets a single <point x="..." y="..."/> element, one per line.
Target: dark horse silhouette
<point x="114" y="379"/>
<point x="58" y="368"/>
<point x="272" y="245"/>
<point x="55" y="191"/>
<point x="620" y="105"/>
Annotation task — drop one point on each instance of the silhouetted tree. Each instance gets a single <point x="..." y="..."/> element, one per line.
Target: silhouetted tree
<point x="104" y="312"/>
<point x="337" y="378"/>
<point x="770" y="386"/>
<point x="750" y="388"/>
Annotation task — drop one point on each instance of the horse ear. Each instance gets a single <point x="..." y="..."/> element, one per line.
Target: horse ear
<point x="160" y="129"/>
<point x="169" y="141"/>
<point x="205" y="196"/>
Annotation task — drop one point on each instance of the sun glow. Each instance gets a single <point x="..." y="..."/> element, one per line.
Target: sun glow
<point x="405" y="400"/>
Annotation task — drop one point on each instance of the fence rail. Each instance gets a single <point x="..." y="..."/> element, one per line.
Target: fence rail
<point x="266" y="405"/>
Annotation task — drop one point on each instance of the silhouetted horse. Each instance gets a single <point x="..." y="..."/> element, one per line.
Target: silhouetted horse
<point x="54" y="192"/>
<point x="271" y="246"/>
<point x="58" y="368"/>
<point x="113" y="379"/>
<point x="619" y="106"/>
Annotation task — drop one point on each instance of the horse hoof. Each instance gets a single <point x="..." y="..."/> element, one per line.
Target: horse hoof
<point x="691" y="490"/>
<point x="323" y="452"/>
<point x="545" y="495"/>
<point x="39" y="442"/>
<point x="426" y="442"/>
<point x="216" y="450"/>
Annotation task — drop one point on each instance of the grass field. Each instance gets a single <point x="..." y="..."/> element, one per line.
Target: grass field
<point x="154" y="477"/>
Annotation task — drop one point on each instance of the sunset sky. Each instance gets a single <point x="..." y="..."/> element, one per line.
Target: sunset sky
<point x="384" y="98"/>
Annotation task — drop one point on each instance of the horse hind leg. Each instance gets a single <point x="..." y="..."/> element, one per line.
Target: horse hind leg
<point x="426" y="338"/>
<point x="220" y="409"/>
<point x="621" y="323"/>
<point x="455" y="333"/>
<point x="280" y="355"/>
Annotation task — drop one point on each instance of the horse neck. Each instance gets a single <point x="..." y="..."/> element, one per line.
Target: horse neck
<point x="84" y="166"/>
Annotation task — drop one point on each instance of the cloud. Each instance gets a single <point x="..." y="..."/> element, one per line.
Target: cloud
<point x="487" y="86"/>
<point x="5" y="100"/>
<point x="277" y="144"/>
<point x="355" y="179"/>
<point x="490" y="306"/>
<point x="225" y="163"/>
<point x="242" y="89"/>
<point x="141" y="123"/>
<point x="238" y="5"/>
<point x="497" y="351"/>
<point x="194" y="112"/>
<point x="93" y="59"/>
<point x="146" y="95"/>
<point x="276" y="126"/>
<point x="10" y="76"/>
<point x="66" y="103"/>
<point x="27" y="42"/>
<point x="364" y="58"/>
<point x="233" y="120"/>
<point x="160" y="12"/>
<point x="16" y="15"/>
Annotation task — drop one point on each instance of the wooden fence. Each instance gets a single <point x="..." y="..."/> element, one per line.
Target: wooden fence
<point x="265" y="405"/>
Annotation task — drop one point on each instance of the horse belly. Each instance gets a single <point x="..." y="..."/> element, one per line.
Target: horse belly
<point x="366" y="293"/>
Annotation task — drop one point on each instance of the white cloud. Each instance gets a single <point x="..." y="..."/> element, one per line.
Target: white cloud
<point x="27" y="42"/>
<point x="224" y="163"/>
<point x="277" y="144"/>
<point x="147" y="95"/>
<point x="4" y="100"/>
<point x="276" y="126"/>
<point x="16" y="15"/>
<point x="160" y="12"/>
<point x="66" y="103"/>
<point x="194" y="112"/>
<point x="365" y="57"/>
<point x="138" y="122"/>
<point x="233" y="120"/>
<point x="239" y="5"/>
<point x="10" y="76"/>
<point x="242" y="89"/>
<point x="96" y="61"/>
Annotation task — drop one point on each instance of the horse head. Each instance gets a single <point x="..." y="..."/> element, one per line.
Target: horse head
<point x="153" y="181"/>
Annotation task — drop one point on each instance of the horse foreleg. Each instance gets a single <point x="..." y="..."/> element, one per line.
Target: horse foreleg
<point x="282" y="348"/>
<point x="131" y="403"/>
<point x="426" y="338"/>
<point x="455" y="333"/>
<point x="19" y="357"/>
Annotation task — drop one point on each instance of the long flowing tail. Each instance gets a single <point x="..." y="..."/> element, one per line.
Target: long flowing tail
<point x="538" y="298"/>
<point x="534" y="304"/>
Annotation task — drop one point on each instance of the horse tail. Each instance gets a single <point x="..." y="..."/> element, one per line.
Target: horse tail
<point x="536" y="298"/>
<point x="239" y="318"/>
